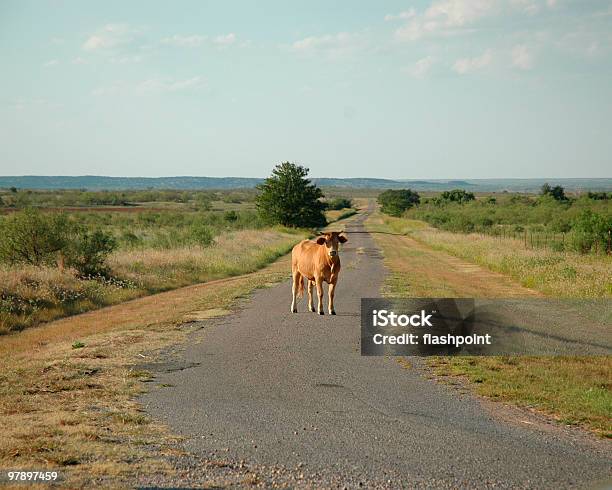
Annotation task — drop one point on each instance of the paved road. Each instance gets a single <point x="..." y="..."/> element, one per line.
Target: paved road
<point x="281" y="390"/>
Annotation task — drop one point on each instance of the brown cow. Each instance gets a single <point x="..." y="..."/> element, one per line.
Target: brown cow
<point x="316" y="261"/>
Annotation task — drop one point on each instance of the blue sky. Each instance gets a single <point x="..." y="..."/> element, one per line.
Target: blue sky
<point x="395" y="89"/>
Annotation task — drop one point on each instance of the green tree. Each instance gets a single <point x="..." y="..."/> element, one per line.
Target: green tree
<point x="395" y="202"/>
<point x="288" y="198"/>
<point x="457" y="195"/>
<point x="557" y="192"/>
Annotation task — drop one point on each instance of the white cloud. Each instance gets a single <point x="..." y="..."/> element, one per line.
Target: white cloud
<point x="551" y="3"/>
<point x="196" y="40"/>
<point x="110" y="36"/>
<point x="193" y="41"/>
<point x="408" y="14"/>
<point x="152" y="86"/>
<point x="522" y="57"/>
<point x="333" y="45"/>
<point x="446" y="17"/>
<point x="225" y="39"/>
<point x="421" y="68"/>
<point x="467" y="65"/>
<point x="50" y="63"/>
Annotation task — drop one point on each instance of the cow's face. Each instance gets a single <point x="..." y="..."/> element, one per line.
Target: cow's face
<point x="331" y="241"/>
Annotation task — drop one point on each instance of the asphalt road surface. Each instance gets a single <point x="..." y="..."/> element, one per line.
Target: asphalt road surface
<point x="272" y="389"/>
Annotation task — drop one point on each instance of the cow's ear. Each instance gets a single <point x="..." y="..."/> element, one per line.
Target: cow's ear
<point x="321" y="240"/>
<point x="342" y="239"/>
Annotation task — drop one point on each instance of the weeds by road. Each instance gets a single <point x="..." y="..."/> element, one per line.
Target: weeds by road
<point x="431" y="263"/>
<point x="34" y="294"/>
<point x="67" y="388"/>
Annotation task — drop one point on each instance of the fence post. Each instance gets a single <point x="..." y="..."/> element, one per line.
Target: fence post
<point x="525" y="238"/>
<point x="609" y="251"/>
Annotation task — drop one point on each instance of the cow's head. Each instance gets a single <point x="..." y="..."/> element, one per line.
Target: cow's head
<point x="331" y="240"/>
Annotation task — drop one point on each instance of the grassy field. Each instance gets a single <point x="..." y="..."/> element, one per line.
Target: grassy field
<point x="428" y="262"/>
<point x="35" y="294"/>
<point x="67" y="388"/>
<point x="163" y="239"/>
<point x="553" y="273"/>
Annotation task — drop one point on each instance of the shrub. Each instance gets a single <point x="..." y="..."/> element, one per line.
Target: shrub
<point x="339" y="203"/>
<point x="457" y="195"/>
<point x="599" y="196"/>
<point x="557" y="192"/>
<point x="395" y="202"/>
<point x="33" y="238"/>
<point x="591" y="230"/>
<point x="87" y="253"/>
<point x="202" y="234"/>
<point x="230" y="216"/>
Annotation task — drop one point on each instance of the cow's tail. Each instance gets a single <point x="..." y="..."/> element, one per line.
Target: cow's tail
<point x="300" y="289"/>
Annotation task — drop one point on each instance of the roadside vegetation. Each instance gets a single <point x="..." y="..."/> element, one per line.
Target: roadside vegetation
<point x="67" y="388"/>
<point x="550" y="220"/>
<point x="54" y="264"/>
<point x="66" y="252"/>
<point x="427" y="261"/>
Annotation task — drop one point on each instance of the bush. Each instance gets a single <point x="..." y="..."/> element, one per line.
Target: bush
<point x="457" y="195"/>
<point x="599" y="196"/>
<point x="395" y="202"/>
<point x="33" y="238"/>
<point x="87" y="253"/>
<point x="202" y="234"/>
<point x="339" y="203"/>
<point x="230" y="216"/>
<point x="557" y="192"/>
<point x="591" y="231"/>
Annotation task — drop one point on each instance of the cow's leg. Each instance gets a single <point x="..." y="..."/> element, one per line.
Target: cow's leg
<point x="319" y="284"/>
<point x="332" y="288"/>
<point x="294" y="290"/>
<point x="310" y="288"/>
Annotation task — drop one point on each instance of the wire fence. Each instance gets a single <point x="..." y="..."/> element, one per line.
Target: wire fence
<point x="538" y="239"/>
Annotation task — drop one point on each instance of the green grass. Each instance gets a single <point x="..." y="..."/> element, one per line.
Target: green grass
<point x="574" y="390"/>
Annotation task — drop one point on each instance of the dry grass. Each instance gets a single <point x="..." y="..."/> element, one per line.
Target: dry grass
<point x="431" y="263"/>
<point x="557" y="274"/>
<point x="232" y="253"/>
<point x="338" y="214"/>
<point x="32" y="295"/>
<point x="72" y="409"/>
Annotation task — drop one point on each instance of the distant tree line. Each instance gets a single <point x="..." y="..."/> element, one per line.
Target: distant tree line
<point x="587" y="219"/>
